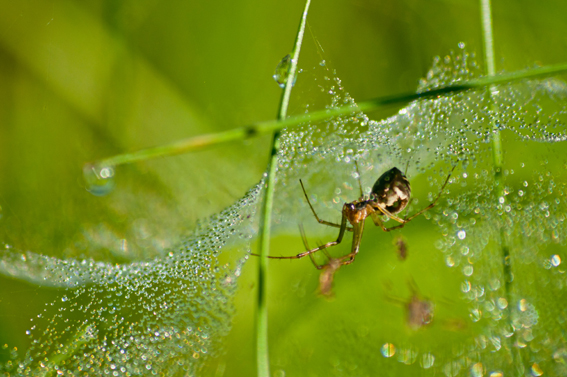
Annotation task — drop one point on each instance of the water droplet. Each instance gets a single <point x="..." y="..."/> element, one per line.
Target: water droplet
<point x="462" y="234"/>
<point x="477" y="370"/>
<point x="407" y="356"/>
<point x="388" y="350"/>
<point x="427" y="360"/>
<point x="452" y="369"/>
<point x="99" y="180"/>
<point x="555" y="260"/>
<point x="476" y="315"/>
<point x="523" y="305"/>
<point x="536" y="370"/>
<point x="461" y="45"/>
<point x="502" y="303"/>
<point x="282" y="71"/>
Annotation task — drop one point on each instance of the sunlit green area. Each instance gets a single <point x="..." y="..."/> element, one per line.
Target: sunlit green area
<point x="80" y="81"/>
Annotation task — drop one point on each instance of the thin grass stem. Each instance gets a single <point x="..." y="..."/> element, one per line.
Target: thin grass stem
<point x="498" y="161"/>
<point x="209" y="140"/>
<point x="262" y="354"/>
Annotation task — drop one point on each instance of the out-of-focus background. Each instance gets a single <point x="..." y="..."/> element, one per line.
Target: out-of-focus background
<point x="80" y="81"/>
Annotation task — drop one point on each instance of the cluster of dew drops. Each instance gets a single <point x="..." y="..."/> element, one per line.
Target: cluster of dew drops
<point x="160" y="316"/>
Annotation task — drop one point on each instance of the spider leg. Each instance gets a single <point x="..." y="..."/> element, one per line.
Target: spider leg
<point x="378" y="222"/>
<point x="436" y="199"/>
<point x="304" y="238"/>
<point x="342" y="230"/>
<point x="359" y="182"/>
<point x="356" y="237"/>
<point x="320" y="221"/>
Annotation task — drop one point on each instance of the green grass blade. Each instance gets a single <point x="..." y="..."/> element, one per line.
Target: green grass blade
<point x="262" y="354"/>
<point x="498" y="161"/>
<point x="209" y="140"/>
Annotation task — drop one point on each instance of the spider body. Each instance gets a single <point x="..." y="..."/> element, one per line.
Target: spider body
<point x="390" y="194"/>
<point x="392" y="191"/>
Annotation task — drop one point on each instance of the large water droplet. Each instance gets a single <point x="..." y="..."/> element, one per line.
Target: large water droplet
<point x="282" y="71"/>
<point x="555" y="260"/>
<point x="99" y="180"/>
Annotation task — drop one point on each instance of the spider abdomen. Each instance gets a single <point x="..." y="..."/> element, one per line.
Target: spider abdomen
<point x="392" y="191"/>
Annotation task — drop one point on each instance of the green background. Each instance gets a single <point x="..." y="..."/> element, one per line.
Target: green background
<point x="85" y="80"/>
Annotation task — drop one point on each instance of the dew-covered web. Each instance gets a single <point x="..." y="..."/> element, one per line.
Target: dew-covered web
<point x="161" y="317"/>
<point x="491" y="316"/>
<point x="489" y="259"/>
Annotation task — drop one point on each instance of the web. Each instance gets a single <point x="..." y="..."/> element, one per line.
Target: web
<point x="487" y="315"/>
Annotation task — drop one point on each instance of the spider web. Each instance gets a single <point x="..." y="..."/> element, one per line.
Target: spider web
<point x="487" y="320"/>
<point x="169" y="313"/>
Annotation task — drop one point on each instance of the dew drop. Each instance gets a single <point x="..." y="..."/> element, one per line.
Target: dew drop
<point x="388" y="350"/>
<point x="502" y="303"/>
<point x="282" y="71"/>
<point x="99" y="180"/>
<point x="523" y="305"/>
<point x="462" y="234"/>
<point x="427" y="360"/>
<point x="536" y="370"/>
<point x="476" y="315"/>
<point x="477" y="370"/>
<point x="555" y="260"/>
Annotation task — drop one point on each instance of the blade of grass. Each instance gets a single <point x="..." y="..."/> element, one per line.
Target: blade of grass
<point x="262" y="356"/>
<point x="209" y="140"/>
<point x="498" y="161"/>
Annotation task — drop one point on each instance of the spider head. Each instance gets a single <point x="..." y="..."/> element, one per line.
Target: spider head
<point x="392" y="191"/>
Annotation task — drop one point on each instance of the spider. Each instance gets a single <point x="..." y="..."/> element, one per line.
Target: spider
<point x="401" y="247"/>
<point x="328" y="269"/>
<point x="390" y="195"/>
<point x="419" y="310"/>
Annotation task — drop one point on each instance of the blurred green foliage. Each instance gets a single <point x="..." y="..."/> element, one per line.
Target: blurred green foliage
<point x="84" y="80"/>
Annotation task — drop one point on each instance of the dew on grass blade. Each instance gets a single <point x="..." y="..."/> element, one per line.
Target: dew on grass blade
<point x="282" y="71"/>
<point x="99" y="180"/>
